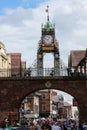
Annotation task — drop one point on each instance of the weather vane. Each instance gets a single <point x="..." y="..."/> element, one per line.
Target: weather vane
<point x="47" y="11"/>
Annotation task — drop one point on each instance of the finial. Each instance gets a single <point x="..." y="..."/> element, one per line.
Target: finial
<point x="47" y="11"/>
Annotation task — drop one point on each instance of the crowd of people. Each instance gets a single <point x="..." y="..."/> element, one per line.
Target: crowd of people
<point x="46" y="124"/>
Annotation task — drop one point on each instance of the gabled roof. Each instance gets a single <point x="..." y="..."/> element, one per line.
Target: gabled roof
<point x="76" y="56"/>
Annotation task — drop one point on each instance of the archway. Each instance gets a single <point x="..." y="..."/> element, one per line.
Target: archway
<point x="13" y="90"/>
<point x="48" y="103"/>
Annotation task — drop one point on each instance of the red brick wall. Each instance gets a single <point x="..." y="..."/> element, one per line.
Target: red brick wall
<point x="15" y="64"/>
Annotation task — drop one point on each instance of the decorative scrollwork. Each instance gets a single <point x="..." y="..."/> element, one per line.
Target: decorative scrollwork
<point x="48" y="84"/>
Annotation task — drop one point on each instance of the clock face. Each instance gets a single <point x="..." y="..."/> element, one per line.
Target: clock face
<point x="48" y="39"/>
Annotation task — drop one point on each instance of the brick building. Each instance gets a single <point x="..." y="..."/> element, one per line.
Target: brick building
<point x="15" y="64"/>
<point x="44" y="102"/>
<point x="30" y="106"/>
<point x="77" y="62"/>
<point x="75" y="57"/>
<point x="52" y="104"/>
<point x="10" y="63"/>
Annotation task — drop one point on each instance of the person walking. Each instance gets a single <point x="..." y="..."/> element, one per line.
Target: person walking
<point x="2" y="125"/>
<point x="8" y="125"/>
<point x="22" y="125"/>
<point x="80" y="127"/>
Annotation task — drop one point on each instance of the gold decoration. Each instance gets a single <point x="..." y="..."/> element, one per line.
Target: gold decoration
<point x="48" y="84"/>
<point x="48" y="29"/>
<point x="48" y="48"/>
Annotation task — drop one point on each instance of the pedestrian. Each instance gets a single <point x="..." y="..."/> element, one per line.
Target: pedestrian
<point x="32" y="126"/>
<point x="8" y="125"/>
<point x="80" y="127"/>
<point x="38" y="125"/>
<point x="68" y="71"/>
<point x="57" y="127"/>
<point x="15" y="125"/>
<point x="2" y="125"/>
<point x="85" y="126"/>
<point x="23" y="125"/>
<point x="46" y="125"/>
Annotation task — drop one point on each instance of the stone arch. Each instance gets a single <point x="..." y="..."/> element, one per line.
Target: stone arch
<point x="13" y="90"/>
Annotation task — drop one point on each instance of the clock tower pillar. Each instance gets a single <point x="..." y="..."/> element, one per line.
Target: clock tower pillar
<point x="48" y="44"/>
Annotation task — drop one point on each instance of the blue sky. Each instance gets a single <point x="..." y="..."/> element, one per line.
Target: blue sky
<point x="12" y="4"/>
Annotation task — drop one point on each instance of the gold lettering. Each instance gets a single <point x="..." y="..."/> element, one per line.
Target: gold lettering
<point x="47" y="48"/>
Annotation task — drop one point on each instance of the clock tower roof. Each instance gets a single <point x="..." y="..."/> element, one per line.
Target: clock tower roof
<point x="48" y="28"/>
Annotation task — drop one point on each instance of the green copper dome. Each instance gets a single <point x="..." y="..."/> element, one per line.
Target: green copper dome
<point x="48" y="25"/>
<point x="48" y="28"/>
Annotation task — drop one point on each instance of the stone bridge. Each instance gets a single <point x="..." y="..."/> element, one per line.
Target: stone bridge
<point x="14" y="90"/>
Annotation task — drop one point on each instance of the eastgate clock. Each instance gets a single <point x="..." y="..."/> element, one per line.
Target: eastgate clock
<point x="48" y="39"/>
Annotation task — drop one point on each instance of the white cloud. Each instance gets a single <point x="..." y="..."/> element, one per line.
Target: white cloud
<point x="20" y="29"/>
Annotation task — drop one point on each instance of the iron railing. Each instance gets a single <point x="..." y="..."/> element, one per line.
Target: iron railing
<point x="35" y="72"/>
<point x="17" y="72"/>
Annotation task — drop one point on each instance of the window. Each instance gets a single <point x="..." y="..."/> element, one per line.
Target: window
<point x="43" y="96"/>
<point x="43" y="107"/>
<point x="36" y="109"/>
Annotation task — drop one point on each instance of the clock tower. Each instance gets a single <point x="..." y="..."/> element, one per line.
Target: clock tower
<point x="48" y="44"/>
